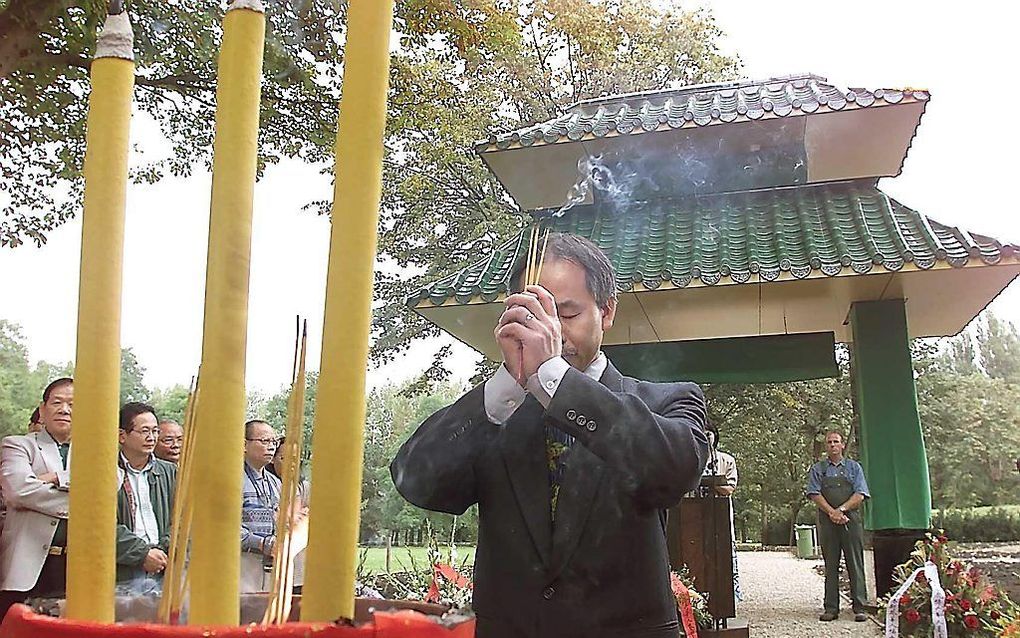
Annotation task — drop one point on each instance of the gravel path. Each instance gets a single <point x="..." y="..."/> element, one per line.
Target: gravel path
<point x="783" y="597"/>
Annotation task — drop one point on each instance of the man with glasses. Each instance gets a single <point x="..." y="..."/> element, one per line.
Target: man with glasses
<point x="145" y="499"/>
<point x="260" y="502"/>
<point x="34" y="474"/>
<point x="171" y="438"/>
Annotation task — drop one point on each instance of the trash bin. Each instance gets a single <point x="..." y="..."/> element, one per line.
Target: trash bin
<point x="805" y="541"/>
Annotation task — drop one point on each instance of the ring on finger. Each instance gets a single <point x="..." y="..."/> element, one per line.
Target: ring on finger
<point x="529" y="317"/>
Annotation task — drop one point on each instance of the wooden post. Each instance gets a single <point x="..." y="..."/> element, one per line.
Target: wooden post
<point x="93" y="504"/>
<point x="340" y="409"/>
<point x="216" y="541"/>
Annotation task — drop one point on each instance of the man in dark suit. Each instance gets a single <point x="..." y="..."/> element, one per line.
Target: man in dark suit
<point x="570" y="463"/>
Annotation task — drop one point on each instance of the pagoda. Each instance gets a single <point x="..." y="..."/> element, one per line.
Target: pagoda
<point x="749" y="235"/>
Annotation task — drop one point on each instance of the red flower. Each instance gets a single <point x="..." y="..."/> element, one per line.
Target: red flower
<point x="971" y="621"/>
<point x="943" y="538"/>
<point x="905" y="600"/>
<point x="912" y="616"/>
<point x="995" y="615"/>
<point x="964" y="604"/>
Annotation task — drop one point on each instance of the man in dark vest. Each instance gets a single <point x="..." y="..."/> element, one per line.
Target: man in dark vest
<point x="836" y="485"/>
<point x="570" y="464"/>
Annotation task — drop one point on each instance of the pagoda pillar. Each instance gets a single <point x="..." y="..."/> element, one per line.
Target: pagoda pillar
<point x="891" y="443"/>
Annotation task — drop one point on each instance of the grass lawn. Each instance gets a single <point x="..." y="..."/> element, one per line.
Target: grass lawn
<point x="401" y="557"/>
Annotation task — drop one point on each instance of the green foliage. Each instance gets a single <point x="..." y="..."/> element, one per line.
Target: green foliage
<point x="19" y="387"/>
<point x="980" y="524"/>
<point x="132" y="383"/>
<point x="441" y="207"/>
<point x="463" y="69"/>
<point x="44" y="63"/>
<point x="775" y="433"/>
<point x="170" y="403"/>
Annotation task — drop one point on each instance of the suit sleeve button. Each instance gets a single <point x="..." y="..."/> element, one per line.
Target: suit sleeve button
<point x="548" y="592"/>
<point x="571" y="415"/>
<point x="581" y="420"/>
<point x="591" y="426"/>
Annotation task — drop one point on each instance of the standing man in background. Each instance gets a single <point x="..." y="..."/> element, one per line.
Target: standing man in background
<point x="836" y="485"/>
<point x="260" y="501"/>
<point x="35" y="470"/>
<point x="170" y="441"/>
<point x="145" y="500"/>
<point x="723" y="464"/>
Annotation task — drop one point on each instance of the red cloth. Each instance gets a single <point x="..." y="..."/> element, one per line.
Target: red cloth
<point x="440" y="571"/>
<point x="20" y="622"/>
<point x="687" y="619"/>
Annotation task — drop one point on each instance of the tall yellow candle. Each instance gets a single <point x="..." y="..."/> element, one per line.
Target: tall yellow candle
<point x="93" y="500"/>
<point x="216" y="541"/>
<point x="340" y="407"/>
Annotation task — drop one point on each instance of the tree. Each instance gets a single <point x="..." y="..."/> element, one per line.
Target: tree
<point x="44" y="61"/>
<point x="999" y="347"/>
<point x="463" y="69"/>
<point x="19" y="391"/>
<point x="441" y="207"/>
<point x="132" y="384"/>
<point x="775" y="431"/>
<point x="170" y="403"/>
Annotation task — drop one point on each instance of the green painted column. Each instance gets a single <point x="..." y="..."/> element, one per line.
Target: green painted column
<point x="892" y="446"/>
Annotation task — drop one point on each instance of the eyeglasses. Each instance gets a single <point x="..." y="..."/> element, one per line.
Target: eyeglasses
<point x="265" y="442"/>
<point x="147" y="434"/>
<point x="170" y="440"/>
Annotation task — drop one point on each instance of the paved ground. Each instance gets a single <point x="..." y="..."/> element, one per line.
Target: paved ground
<point x="783" y="597"/>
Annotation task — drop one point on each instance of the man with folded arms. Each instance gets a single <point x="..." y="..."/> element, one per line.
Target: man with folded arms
<point x="34" y="475"/>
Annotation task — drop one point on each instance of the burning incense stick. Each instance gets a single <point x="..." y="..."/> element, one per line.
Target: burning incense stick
<point x="291" y="533"/>
<point x="537" y="243"/>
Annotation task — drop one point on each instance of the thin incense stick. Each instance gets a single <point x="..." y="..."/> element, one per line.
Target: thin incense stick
<point x="278" y="604"/>
<point x="174" y="582"/>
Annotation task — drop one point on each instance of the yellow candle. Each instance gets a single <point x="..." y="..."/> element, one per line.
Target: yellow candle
<point x="91" y="560"/>
<point x="216" y="541"/>
<point x="340" y="407"/>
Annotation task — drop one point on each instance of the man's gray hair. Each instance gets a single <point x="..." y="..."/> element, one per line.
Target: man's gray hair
<point x="599" y="274"/>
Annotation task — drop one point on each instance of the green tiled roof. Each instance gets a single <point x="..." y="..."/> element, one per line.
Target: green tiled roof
<point x="836" y="228"/>
<point x="700" y="105"/>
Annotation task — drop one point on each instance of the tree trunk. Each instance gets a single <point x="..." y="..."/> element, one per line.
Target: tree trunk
<point x="764" y="523"/>
<point x="794" y="511"/>
<point x="20" y="23"/>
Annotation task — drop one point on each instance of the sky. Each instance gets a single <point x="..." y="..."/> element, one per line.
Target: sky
<point x="960" y="170"/>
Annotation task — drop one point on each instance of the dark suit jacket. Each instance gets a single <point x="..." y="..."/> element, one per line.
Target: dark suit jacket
<point x="603" y="570"/>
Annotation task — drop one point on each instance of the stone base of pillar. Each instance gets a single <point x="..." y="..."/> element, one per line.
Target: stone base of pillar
<point x="892" y="547"/>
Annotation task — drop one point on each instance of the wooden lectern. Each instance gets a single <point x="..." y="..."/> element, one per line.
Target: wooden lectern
<point x="698" y="535"/>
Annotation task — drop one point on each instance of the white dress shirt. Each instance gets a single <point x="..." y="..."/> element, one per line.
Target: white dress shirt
<point x="503" y="395"/>
<point x="145" y="517"/>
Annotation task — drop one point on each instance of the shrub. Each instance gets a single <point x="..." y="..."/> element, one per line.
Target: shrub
<point x="980" y="524"/>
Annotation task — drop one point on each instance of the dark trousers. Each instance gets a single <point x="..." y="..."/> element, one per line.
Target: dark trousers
<point x="848" y="541"/>
<point x="52" y="583"/>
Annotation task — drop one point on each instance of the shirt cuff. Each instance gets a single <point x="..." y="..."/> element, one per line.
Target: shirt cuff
<point x="544" y="383"/>
<point x="502" y="396"/>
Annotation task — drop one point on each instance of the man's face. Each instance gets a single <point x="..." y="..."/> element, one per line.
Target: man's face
<point x="260" y="445"/>
<point x="171" y="438"/>
<point x="55" y="412"/>
<point x="582" y="321"/>
<point x="834" y="445"/>
<point x="141" y="440"/>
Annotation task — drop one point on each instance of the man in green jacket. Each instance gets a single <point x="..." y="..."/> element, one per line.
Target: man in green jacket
<point x="145" y="499"/>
